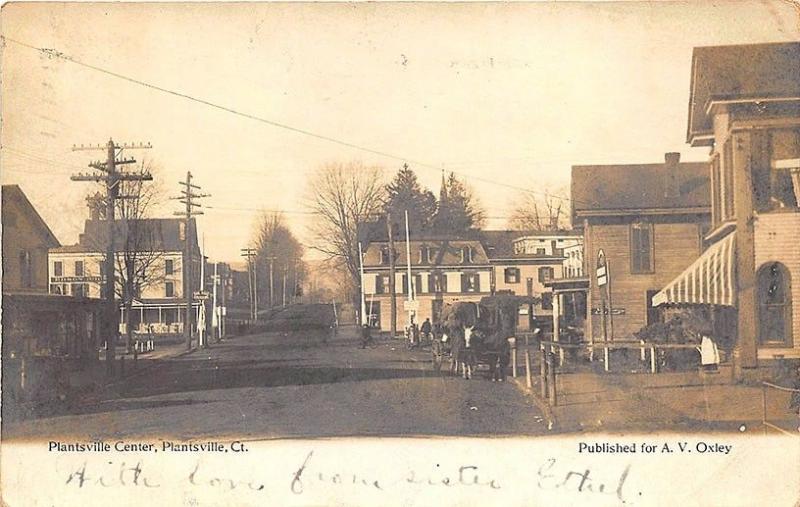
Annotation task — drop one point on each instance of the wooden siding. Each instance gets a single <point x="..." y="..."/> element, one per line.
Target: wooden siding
<point x="676" y="246"/>
<point x="776" y="239"/>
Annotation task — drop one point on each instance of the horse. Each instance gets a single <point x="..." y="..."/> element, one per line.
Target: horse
<point x="497" y="353"/>
<point x="468" y="357"/>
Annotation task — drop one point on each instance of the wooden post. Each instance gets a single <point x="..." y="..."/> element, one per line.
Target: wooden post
<point x="551" y="374"/>
<point x="764" y="404"/>
<point x="543" y="373"/>
<point x="528" y="379"/>
<point x="514" y="361"/>
<point x="652" y="359"/>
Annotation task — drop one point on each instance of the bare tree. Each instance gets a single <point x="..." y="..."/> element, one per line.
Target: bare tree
<point x="344" y="196"/>
<point x="279" y="251"/>
<point x="544" y="211"/>
<point x="138" y="240"/>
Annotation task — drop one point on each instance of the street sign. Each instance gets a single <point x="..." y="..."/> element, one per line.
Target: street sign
<point x="411" y="306"/>
<point x="614" y="311"/>
<point x="200" y="295"/>
<point x="602" y="271"/>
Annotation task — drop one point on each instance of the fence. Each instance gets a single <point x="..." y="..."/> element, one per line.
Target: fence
<point x="552" y="354"/>
<point x="765" y="387"/>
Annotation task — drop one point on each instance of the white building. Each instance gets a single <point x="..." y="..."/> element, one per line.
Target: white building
<point x="159" y="304"/>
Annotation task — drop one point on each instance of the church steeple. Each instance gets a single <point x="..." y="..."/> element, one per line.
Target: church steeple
<point x="443" y="190"/>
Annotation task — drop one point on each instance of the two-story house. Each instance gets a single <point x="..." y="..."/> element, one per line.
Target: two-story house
<point x="159" y="303"/>
<point x="524" y="262"/>
<point x="649" y="221"/>
<point x="443" y="271"/>
<point x="745" y="107"/>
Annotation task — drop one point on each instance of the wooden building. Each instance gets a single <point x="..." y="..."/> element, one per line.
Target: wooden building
<point x="649" y="220"/>
<point x="745" y="107"/>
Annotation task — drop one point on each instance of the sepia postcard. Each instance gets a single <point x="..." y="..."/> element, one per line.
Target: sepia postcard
<point x="400" y="253"/>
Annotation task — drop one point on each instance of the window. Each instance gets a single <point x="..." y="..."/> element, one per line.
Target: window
<point x="381" y="284"/>
<point x="511" y="275"/>
<point x="470" y="282"/>
<point x="529" y="286"/>
<point x="727" y="203"/>
<point x="58" y="268"/>
<point x="25" y="269"/>
<point x="78" y="268"/>
<point x="80" y="290"/>
<point x="540" y="251"/>
<point x="169" y="266"/>
<point x="547" y="301"/>
<point x="466" y="254"/>
<point x="385" y="256"/>
<point x="784" y="168"/>
<point x="424" y="255"/>
<point x="641" y="248"/>
<point x="716" y="186"/>
<point x="774" y="305"/>
<point x="546" y="274"/>
<point x="169" y="288"/>
<point x="437" y="282"/>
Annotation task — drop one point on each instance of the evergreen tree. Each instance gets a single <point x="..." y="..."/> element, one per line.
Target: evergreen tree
<point x="405" y="193"/>
<point x="458" y="209"/>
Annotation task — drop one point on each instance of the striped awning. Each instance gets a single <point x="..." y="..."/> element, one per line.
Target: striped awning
<point x="709" y="280"/>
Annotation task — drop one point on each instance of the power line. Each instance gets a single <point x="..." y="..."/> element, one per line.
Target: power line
<point x="53" y="53"/>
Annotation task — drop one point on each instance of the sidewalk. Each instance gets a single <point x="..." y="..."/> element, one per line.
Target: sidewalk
<point x="682" y="401"/>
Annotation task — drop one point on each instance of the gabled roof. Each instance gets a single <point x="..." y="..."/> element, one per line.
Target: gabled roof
<point x="444" y="252"/>
<point x="13" y="193"/>
<point x="500" y="244"/>
<point x="636" y="187"/>
<point x="158" y="234"/>
<point x="749" y="71"/>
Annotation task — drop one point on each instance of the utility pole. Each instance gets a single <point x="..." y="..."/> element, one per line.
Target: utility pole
<point x="188" y="198"/>
<point x="284" y="285"/>
<point x="392" y="295"/>
<point x="111" y="178"/>
<point x="250" y="253"/>
<point x="271" y="282"/>
<point x="214" y="309"/>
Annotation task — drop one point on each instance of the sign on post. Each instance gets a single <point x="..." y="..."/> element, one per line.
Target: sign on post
<point x="411" y="306"/>
<point x="602" y="271"/>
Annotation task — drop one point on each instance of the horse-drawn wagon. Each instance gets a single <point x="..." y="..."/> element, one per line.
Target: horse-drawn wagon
<point x="476" y="334"/>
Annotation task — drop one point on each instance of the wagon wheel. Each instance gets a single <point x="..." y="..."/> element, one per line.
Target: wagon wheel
<point x="437" y="355"/>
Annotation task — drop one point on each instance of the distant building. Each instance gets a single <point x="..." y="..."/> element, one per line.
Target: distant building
<point x="649" y="220"/>
<point x="745" y="106"/>
<point x="467" y="268"/>
<point x="524" y="262"/>
<point x="159" y="304"/>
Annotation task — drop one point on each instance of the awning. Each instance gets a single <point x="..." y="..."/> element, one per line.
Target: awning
<point x="709" y="280"/>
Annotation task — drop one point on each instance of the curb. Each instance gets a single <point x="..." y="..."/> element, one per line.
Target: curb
<point x="541" y="403"/>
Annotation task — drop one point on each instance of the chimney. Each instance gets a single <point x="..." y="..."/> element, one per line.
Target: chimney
<point x="671" y="164"/>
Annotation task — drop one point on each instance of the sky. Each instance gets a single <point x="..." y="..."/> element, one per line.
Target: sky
<point x="509" y="96"/>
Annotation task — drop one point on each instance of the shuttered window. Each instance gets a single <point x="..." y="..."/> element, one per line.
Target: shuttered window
<point x="511" y="275"/>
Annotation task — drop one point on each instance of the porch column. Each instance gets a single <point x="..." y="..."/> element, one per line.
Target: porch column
<point x="746" y="343"/>
<point x="160" y="320"/>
